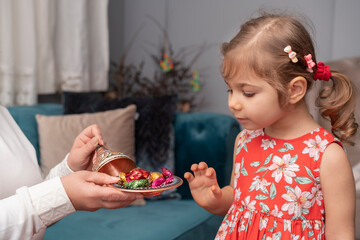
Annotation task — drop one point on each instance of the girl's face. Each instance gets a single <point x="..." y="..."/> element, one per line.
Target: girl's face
<point x="254" y="102"/>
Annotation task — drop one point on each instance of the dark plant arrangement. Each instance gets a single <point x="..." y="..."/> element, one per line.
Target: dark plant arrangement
<point x="127" y="80"/>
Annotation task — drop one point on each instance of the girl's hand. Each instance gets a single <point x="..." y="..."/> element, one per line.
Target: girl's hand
<point x="83" y="148"/>
<point x="204" y="186"/>
<point x="88" y="191"/>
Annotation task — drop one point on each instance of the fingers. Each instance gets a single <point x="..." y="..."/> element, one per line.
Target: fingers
<point x="202" y="169"/>
<point x="91" y="145"/>
<point x="196" y="167"/>
<point x="114" y="195"/>
<point x="210" y="172"/>
<point x="95" y="131"/>
<point x="100" y="178"/>
<point x="90" y="132"/>
<point x="189" y="177"/>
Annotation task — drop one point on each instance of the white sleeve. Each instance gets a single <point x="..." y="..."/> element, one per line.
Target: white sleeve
<point x="26" y="214"/>
<point x="60" y="170"/>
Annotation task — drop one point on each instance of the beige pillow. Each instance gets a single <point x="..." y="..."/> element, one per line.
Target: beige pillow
<point x="57" y="133"/>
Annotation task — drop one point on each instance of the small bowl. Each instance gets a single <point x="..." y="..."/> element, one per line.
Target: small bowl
<point x="112" y="163"/>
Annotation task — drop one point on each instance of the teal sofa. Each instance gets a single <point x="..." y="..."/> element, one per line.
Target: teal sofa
<point x="199" y="137"/>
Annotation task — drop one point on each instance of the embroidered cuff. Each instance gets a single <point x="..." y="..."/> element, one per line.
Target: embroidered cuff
<point x="51" y="201"/>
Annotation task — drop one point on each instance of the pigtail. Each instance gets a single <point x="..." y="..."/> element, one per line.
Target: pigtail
<point x="336" y="103"/>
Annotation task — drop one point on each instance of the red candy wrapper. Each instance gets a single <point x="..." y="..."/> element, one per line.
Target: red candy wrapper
<point x="136" y="174"/>
<point x="158" y="182"/>
<point x="169" y="180"/>
<point x="166" y="172"/>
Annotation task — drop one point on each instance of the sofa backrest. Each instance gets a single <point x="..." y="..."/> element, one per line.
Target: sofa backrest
<point x="207" y="137"/>
<point x="199" y="137"/>
<point x="25" y="118"/>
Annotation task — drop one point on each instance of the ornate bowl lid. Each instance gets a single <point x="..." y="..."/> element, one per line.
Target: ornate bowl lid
<point x="110" y="162"/>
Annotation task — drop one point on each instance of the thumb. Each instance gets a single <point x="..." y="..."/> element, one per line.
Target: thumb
<point x="101" y="178"/>
<point x="216" y="190"/>
<point x="90" y="146"/>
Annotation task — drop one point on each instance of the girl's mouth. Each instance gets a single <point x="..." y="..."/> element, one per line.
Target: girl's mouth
<point x="241" y="120"/>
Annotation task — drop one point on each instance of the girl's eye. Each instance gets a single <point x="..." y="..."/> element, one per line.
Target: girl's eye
<point x="248" y="94"/>
<point x="229" y="90"/>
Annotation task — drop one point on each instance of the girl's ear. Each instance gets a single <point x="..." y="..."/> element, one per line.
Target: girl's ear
<point x="297" y="89"/>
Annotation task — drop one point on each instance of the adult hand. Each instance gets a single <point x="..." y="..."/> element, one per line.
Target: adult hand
<point x="83" y="148"/>
<point x="88" y="191"/>
<point x="204" y="186"/>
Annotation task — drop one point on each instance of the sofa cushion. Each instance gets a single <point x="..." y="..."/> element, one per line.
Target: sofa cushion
<point x="160" y="220"/>
<point x="57" y="133"/>
<point x="154" y="132"/>
<point x="25" y="118"/>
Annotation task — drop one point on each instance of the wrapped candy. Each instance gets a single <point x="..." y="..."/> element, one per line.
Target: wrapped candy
<point x="169" y="180"/>
<point x="168" y="175"/>
<point x="166" y="172"/>
<point x="136" y="174"/>
<point x="158" y="182"/>
<point x="154" y="175"/>
<point x="139" y="177"/>
<point x="122" y="177"/>
<point x="137" y="183"/>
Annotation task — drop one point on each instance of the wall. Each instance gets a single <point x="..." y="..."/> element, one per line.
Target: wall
<point x="193" y="22"/>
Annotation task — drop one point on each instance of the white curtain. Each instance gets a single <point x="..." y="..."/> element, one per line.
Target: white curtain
<point x="48" y="46"/>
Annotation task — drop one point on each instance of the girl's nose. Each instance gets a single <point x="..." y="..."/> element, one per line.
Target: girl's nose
<point x="234" y="103"/>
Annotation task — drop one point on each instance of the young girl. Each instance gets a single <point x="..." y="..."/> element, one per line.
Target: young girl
<point x="291" y="178"/>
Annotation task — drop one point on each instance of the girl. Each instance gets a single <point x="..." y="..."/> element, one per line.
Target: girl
<point x="287" y="169"/>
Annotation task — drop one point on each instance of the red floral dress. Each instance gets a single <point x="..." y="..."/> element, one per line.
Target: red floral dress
<point x="277" y="190"/>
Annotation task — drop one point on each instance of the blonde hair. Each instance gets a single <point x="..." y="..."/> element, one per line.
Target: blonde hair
<point x="259" y="48"/>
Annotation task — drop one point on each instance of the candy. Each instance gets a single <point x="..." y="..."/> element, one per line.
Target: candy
<point x="139" y="177"/>
<point x="157" y="182"/>
<point x="154" y="175"/>
<point x="166" y="172"/>
<point x="137" y="183"/>
<point x="136" y="174"/>
<point x="122" y="177"/>
<point x="169" y="180"/>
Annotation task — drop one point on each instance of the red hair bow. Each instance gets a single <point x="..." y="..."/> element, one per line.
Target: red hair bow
<point x="322" y="72"/>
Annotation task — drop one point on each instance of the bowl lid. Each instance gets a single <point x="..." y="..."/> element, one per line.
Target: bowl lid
<point x="112" y="163"/>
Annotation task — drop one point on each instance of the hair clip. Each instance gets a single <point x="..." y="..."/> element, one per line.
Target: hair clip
<point x="322" y="72"/>
<point x="292" y="55"/>
<point x="310" y="63"/>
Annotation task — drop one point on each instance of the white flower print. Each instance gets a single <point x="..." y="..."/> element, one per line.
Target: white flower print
<point x="315" y="130"/>
<point x="315" y="147"/>
<point x="283" y="166"/>
<point x="268" y="143"/>
<point x="242" y="226"/>
<point x="233" y="221"/>
<point x="317" y="225"/>
<point x="294" y="237"/>
<point x="260" y="183"/>
<point x="247" y="135"/>
<point x="263" y="222"/>
<point x="287" y="225"/>
<point x="276" y="212"/>
<point x="237" y="194"/>
<point x="316" y="195"/>
<point x="236" y="173"/>
<point x="249" y="206"/>
<point x="297" y="200"/>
